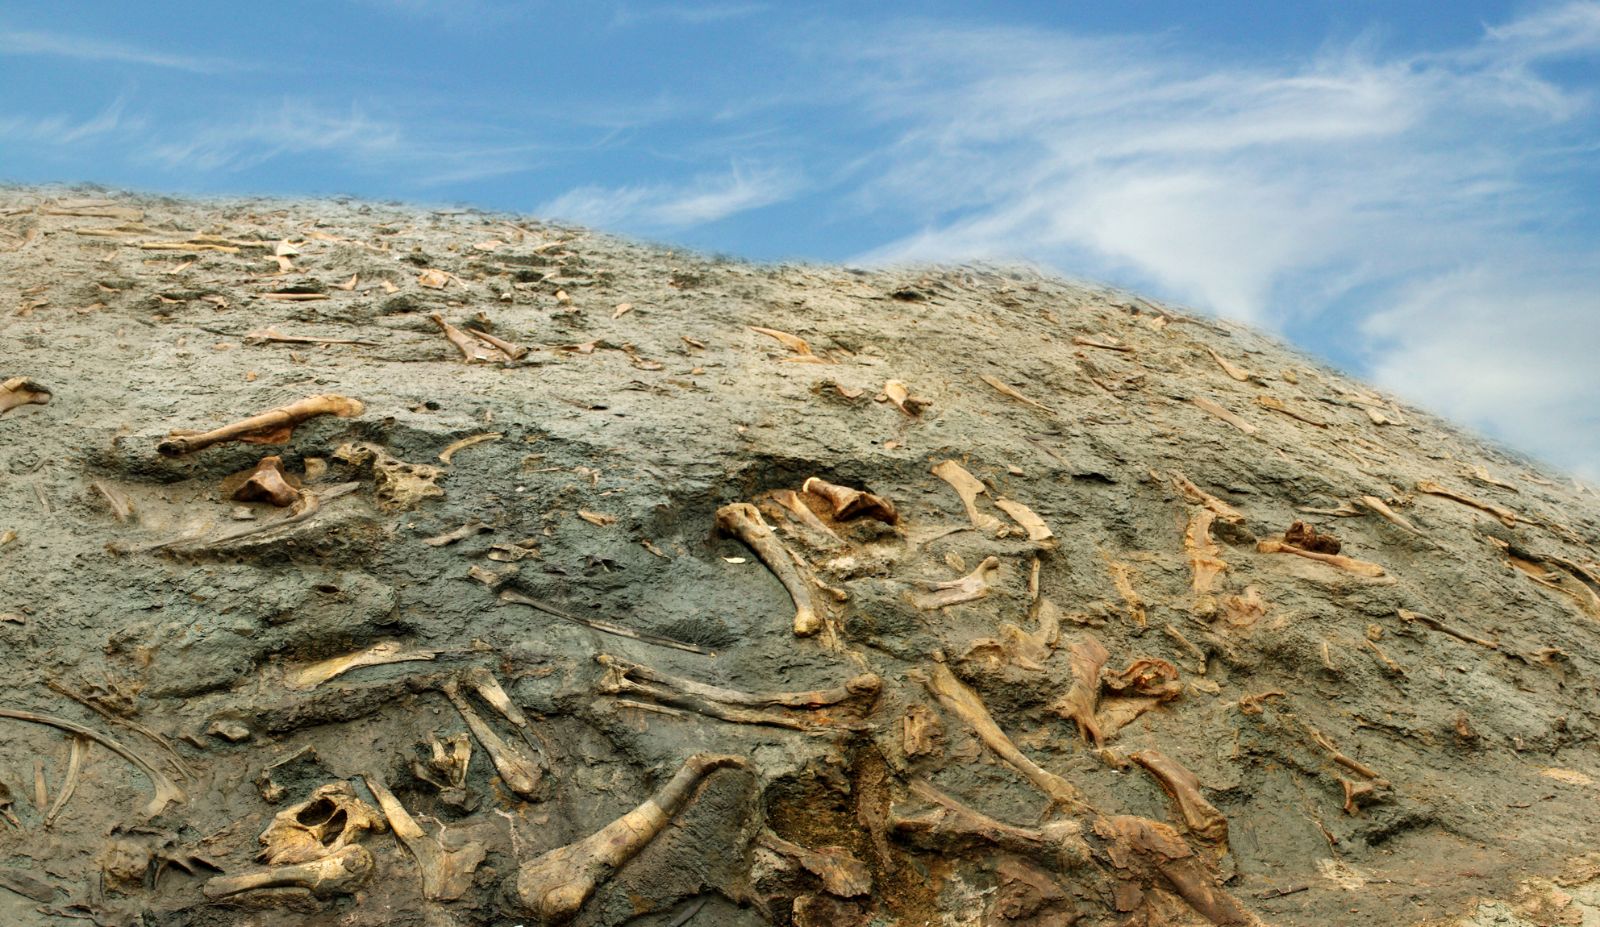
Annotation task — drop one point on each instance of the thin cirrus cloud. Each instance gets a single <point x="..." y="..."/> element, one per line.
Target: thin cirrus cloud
<point x="1344" y="194"/>
<point x="85" y="48"/>
<point x="655" y="207"/>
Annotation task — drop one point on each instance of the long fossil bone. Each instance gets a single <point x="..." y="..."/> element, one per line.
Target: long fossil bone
<point x="520" y="774"/>
<point x="1038" y="531"/>
<point x="1144" y="848"/>
<point x="488" y="688"/>
<point x="1383" y="509"/>
<point x="556" y="885"/>
<point x="850" y="503"/>
<point x="21" y="391"/>
<point x="841" y="874"/>
<point x="80" y="748"/>
<point x="1200" y="816"/>
<point x="813" y="530"/>
<point x="315" y="674"/>
<point x="339" y="873"/>
<point x="1205" y="557"/>
<point x="969" y="588"/>
<point x="607" y="627"/>
<point x="167" y="791"/>
<point x="743" y="521"/>
<point x="774" y="708"/>
<point x="969" y="488"/>
<point x="1339" y="561"/>
<point x="952" y="825"/>
<point x="862" y="689"/>
<point x="1506" y="516"/>
<point x="273" y="426"/>
<point x="446" y="874"/>
<point x="1086" y="659"/>
<point x="478" y="346"/>
<point x="965" y="704"/>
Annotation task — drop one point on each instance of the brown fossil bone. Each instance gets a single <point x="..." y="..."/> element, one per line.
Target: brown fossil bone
<point x="1347" y="564"/>
<point x="521" y="774"/>
<point x="445" y="768"/>
<point x="21" y="391"/>
<point x="1005" y="389"/>
<point x="850" y="503"/>
<point x="338" y="873"/>
<point x="397" y="484"/>
<point x="900" y="394"/>
<point x="811" y="529"/>
<point x="969" y="489"/>
<point x="478" y="347"/>
<point x="268" y="483"/>
<point x="969" y="588"/>
<point x="315" y="674"/>
<point x="1081" y="703"/>
<point x="1145" y="851"/>
<point x="481" y="681"/>
<point x="1305" y="537"/>
<point x="1197" y="496"/>
<point x="965" y="704"/>
<point x="1199" y="816"/>
<point x="1037" y="530"/>
<point x="1232" y="370"/>
<point x="841" y="874"/>
<point x="825" y="709"/>
<point x="1567" y="578"/>
<point x="1506" y="516"/>
<point x="446" y="874"/>
<point x="1122" y="579"/>
<point x="555" y="886"/>
<point x="329" y="820"/>
<point x="1384" y="511"/>
<point x="951" y="826"/>
<point x="1277" y="405"/>
<point x="274" y="426"/>
<point x="743" y="521"/>
<point x="167" y="791"/>
<point x="920" y="731"/>
<point x="1205" y="558"/>
<point x="1215" y="408"/>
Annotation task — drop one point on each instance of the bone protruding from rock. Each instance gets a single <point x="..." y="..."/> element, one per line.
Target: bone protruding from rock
<point x="1216" y="408"/>
<point x="1122" y="579"/>
<point x="1145" y="851"/>
<point x="975" y="585"/>
<point x="274" y="426"/>
<point x="900" y="394"/>
<point x="961" y="701"/>
<point x="166" y="791"/>
<point x="315" y="674"/>
<point x="80" y="749"/>
<point x="1205" y="558"/>
<point x="481" y="681"/>
<point x="743" y="521"/>
<point x="1200" y="816"/>
<point x="122" y="507"/>
<point x="1197" y="496"/>
<point x="1384" y="511"/>
<point x="556" y="885"/>
<point x="339" y="873"/>
<point x="521" y="774"/>
<point x="1037" y="530"/>
<point x="1277" y="405"/>
<point x="21" y="391"/>
<point x="1024" y="649"/>
<point x="969" y="488"/>
<point x="841" y="874"/>
<point x="398" y="484"/>
<point x="332" y="818"/>
<point x="1081" y="703"/>
<point x="950" y="826"/>
<point x="268" y="483"/>
<point x="445" y="767"/>
<point x="1143" y="685"/>
<point x="479" y="347"/>
<point x="1338" y="561"/>
<point x="850" y="503"/>
<point x="1005" y="389"/>
<point x="446" y="874"/>
<point x="824" y="709"/>
<point x="1232" y="370"/>
<point x="1506" y="516"/>
<point x="813" y="530"/>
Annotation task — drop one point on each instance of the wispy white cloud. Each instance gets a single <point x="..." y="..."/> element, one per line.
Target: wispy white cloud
<point x="290" y="127"/>
<point x="60" y="130"/>
<point x="85" y="48"/>
<point x="1356" y="183"/>
<point x="703" y="199"/>
<point x="694" y="14"/>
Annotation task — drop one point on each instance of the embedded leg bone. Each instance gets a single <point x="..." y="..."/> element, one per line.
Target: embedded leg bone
<point x="446" y="874"/>
<point x="167" y="791"/>
<point x="1347" y="564"/>
<point x="268" y="484"/>
<point x="271" y="427"/>
<point x="842" y="875"/>
<point x="1085" y="659"/>
<point x="1197" y="496"/>
<point x="743" y="521"/>
<point x="1145" y="849"/>
<point x="1506" y="516"/>
<point x="965" y="704"/>
<point x="1038" y="531"/>
<point x="520" y="774"/>
<point x="969" y="489"/>
<point x="315" y="674"/>
<point x="950" y="825"/>
<point x="850" y="503"/>
<point x="813" y="529"/>
<point x="556" y="885"/>
<point x="473" y="349"/>
<point x="1383" y="509"/>
<point x="1200" y="816"/>
<point x="488" y="688"/>
<point x="969" y="588"/>
<point x="339" y="873"/>
<point x="862" y="689"/>
<point x="1205" y="558"/>
<point x="331" y="819"/>
<point x="21" y="391"/>
<point x="623" y="678"/>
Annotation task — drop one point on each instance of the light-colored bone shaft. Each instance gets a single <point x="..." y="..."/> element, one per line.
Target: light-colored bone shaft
<point x="446" y="875"/>
<point x="80" y="747"/>
<point x="21" y="391"/>
<point x="969" y="488"/>
<point x="520" y="774"/>
<point x="336" y="874"/>
<point x="1086" y="659"/>
<point x="950" y="821"/>
<point x="272" y="420"/>
<point x="864" y="687"/>
<point x="743" y="521"/>
<point x="1200" y="816"/>
<point x="1348" y="564"/>
<point x="556" y="885"/>
<point x="167" y="791"/>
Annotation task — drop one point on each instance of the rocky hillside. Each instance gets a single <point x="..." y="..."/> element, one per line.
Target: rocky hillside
<point x="363" y="565"/>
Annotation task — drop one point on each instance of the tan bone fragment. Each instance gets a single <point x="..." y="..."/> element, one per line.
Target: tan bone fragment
<point x="166" y="791"/>
<point x="1037" y="530"/>
<point x="274" y="426"/>
<point x="555" y="886"/>
<point x="841" y="874"/>
<point x="446" y="874"/>
<point x="1506" y="516"/>
<point x="315" y="674"/>
<point x="850" y="503"/>
<point x="950" y="826"/>
<point x="969" y="488"/>
<point x="975" y="585"/>
<point x="743" y="521"/>
<point x="1215" y="408"/>
<point x="339" y="873"/>
<point x="21" y="391"/>
<point x="268" y="483"/>
<point x="1005" y="389"/>
<point x="818" y="710"/>
<point x="900" y="394"/>
<point x="1229" y="368"/>
<point x="1384" y="511"/>
<point x="326" y="822"/>
<point x="1199" y="816"/>
<point x="1347" y="564"/>
<point x="521" y="774"/>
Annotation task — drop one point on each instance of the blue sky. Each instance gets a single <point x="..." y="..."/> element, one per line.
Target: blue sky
<point x="1408" y="189"/>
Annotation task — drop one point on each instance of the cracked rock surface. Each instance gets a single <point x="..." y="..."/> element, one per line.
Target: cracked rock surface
<point x="1386" y="717"/>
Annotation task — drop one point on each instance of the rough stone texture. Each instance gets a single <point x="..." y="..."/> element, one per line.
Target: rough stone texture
<point x="1475" y="722"/>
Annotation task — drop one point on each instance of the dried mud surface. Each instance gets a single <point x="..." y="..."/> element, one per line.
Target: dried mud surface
<point x="1402" y="736"/>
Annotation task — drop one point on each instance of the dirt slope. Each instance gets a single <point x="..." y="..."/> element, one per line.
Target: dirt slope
<point x="1105" y="688"/>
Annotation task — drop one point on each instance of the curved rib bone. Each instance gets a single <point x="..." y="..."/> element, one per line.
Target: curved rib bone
<point x="446" y="874"/>
<point x="21" y="391"/>
<point x="1348" y="564"/>
<point x="273" y="426"/>
<point x="969" y="489"/>
<point x="336" y="874"/>
<point x="556" y="885"/>
<point x="167" y="791"/>
<point x="743" y="521"/>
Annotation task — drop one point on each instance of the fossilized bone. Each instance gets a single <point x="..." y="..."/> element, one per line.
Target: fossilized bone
<point x="626" y="678"/>
<point x="339" y="873"/>
<point x="555" y="886"/>
<point x="841" y="874"/>
<point x="1146" y="849"/>
<point x="861" y="690"/>
<point x="965" y="704"/>
<point x="274" y="426"/>
<point x="793" y="342"/>
<point x="1383" y="509"/>
<point x="813" y="530"/>
<point x="1437" y="625"/>
<point x="446" y="766"/>
<point x="969" y="489"/>
<point x="1269" y="402"/>
<point x="1569" y="581"/>
<point x="1482" y="475"/>
<point x="327" y="821"/>
<point x="455" y="447"/>
<point x="1102" y="345"/>
<point x="1025" y="649"/>
<point x="903" y="399"/>
<point x="315" y="674"/>
<point x="272" y="336"/>
<point x="517" y="598"/>
<point x="743" y="521"/>
<point x="1199" y="816"/>
<point x="121" y="506"/>
<point x="521" y="774"/>
<point x="1348" y="564"/>
<point x="488" y="688"/>
<point x="80" y="748"/>
<point x="1197" y="496"/>
<point x="1232" y="370"/>
<point x="1005" y="389"/>
<point x="166" y="790"/>
<point x="950" y="825"/>
<point x="1122" y="579"/>
<point x="1038" y="531"/>
<point x="1205" y="557"/>
<point x="6" y="801"/>
<point x="1085" y="660"/>
<point x="920" y="731"/>
<point x="446" y="874"/>
<point x="1211" y="406"/>
<point x="21" y="391"/>
<point x="1506" y="516"/>
<point x="1306" y="537"/>
<point x="173" y="759"/>
<point x="477" y="346"/>
<point x="397" y="484"/>
<point x="458" y="534"/>
<point x="969" y="588"/>
<point x="268" y="484"/>
<point x="850" y="503"/>
<point x="309" y="505"/>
